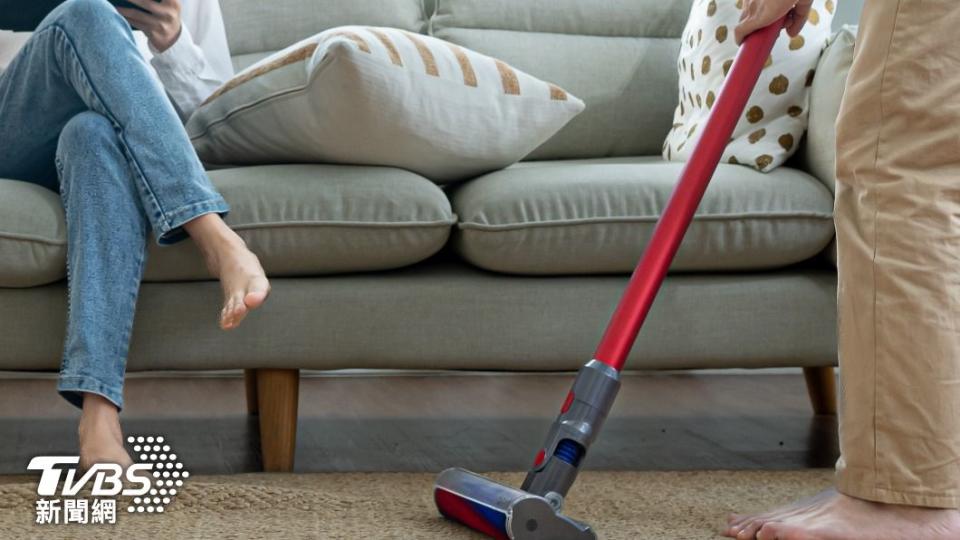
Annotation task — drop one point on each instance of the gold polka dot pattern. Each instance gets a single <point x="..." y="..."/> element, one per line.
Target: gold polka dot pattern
<point x="779" y="85"/>
<point x="786" y="141"/>
<point x="721" y="34"/>
<point x="774" y="120"/>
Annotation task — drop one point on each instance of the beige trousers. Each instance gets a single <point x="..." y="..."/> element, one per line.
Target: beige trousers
<point x="898" y="235"/>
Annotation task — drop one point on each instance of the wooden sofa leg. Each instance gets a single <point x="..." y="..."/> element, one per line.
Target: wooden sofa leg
<point x="822" y="387"/>
<point x="277" y="396"/>
<point x="250" y="384"/>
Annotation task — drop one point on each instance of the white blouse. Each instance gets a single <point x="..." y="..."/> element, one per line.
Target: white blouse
<point x="190" y="70"/>
<point x="198" y="62"/>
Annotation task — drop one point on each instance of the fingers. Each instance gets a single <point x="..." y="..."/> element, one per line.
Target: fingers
<point x="747" y="27"/>
<point x="757" y="14"/>
<point x="749" y="20"/>
<point x="799" y="17"/>
<point x="160" y="21"/>
<point x="146" y="5"/>
<point x="138" y="19"/>
<point x="167" y="11"/>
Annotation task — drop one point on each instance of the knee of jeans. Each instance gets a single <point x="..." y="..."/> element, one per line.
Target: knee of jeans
<point x="87" y="133"/>
<point x="82" y="136"/>
<point x="89" y="16"/>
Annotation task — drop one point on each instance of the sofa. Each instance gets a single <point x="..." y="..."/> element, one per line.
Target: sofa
<point x="518" y="270"/>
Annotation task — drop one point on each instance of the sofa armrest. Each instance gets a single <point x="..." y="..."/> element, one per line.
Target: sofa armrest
<point x="818" y="155"/>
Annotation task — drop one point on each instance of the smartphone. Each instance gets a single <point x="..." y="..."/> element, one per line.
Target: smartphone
<point x="25" y="15"/>
<point x="126" y="4"/>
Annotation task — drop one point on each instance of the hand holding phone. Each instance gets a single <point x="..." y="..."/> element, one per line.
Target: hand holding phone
<point x="158" y="19"/>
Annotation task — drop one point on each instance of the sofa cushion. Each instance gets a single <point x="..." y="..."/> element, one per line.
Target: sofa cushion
<point x="300" y="220"/>
<point x="257" y="26"/>
<point x="321" y="219"/>
<point x="33" y="245"/>
<point x="596" y="216"/>
<point x="380" y="96"/>
<point x="819" y="154"/>
<point x="619" y="56"/>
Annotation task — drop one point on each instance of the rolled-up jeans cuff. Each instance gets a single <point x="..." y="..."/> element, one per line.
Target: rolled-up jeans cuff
<point x="173" y="232"/>
<point x="72" y="386"/>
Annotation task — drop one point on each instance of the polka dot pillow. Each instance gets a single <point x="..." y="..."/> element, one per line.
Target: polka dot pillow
<point x="776" y="115"/>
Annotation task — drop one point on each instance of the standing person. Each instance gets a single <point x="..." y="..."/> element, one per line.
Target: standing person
<point x="82" y="112"/>
<point x="898" y="236"/>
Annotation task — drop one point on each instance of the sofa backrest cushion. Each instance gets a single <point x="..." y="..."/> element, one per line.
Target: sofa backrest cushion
<point x="255" y="26"/>
<point x="619" y="56"/>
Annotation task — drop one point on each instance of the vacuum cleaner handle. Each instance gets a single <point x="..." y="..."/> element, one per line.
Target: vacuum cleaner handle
<point x="649" y="274"/>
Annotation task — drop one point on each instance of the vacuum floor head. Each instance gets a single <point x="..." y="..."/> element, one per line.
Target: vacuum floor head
<point x="501" y="511"/>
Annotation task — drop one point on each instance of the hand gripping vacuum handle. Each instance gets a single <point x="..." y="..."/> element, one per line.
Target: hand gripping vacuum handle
<point x="586" y="407"/>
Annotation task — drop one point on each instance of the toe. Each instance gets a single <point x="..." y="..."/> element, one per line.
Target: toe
<point x="256" y="295"/>
<point x="225" y="315"/>
<point x="771" y="531"/>
<point x="749" y="530"/>
<point x="237" y="312"/>
<point x="778" y="530"/>
<point x="734" y="524"/>
<point x="739" y="520"/>
<point x="233" y="312"/>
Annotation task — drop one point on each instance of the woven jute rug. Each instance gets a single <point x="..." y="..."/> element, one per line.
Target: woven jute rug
<point x="619" y="505"/>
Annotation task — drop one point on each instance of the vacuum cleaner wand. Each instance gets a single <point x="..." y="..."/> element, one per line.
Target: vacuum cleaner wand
<point x="533" y="512"/>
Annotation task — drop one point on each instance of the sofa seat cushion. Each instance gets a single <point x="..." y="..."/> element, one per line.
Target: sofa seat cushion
<point x="321" y="219"/>
<point x="596" y="216"/>
<point x="299" y="219"/>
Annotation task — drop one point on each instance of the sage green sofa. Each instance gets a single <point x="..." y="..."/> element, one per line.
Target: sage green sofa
<point x="518" y="270"/>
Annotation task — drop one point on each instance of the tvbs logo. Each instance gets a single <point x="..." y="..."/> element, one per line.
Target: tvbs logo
<point x="152" y="483"/>
<point x="107" y="479"/>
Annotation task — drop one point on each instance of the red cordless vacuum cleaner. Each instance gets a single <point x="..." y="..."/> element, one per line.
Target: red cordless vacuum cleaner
<point x="533" y="511"/>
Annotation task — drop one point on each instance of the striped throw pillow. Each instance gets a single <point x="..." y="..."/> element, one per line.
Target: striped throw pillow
<point x="381" y="96"/>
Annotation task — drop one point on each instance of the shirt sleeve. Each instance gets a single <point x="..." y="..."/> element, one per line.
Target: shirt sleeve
<point x="199" y="61"/>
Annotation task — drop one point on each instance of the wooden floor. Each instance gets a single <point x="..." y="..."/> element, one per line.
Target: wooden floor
<point x="426" y="423"/>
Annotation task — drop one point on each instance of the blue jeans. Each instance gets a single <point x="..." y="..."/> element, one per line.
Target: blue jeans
<point x="81" y="113"/>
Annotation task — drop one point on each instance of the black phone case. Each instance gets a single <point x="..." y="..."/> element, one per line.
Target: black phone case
<point x="25" y="15"/>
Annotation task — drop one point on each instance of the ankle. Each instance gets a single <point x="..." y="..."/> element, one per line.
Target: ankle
<point x="211" y="233"/>
<point x="95" y="404"/>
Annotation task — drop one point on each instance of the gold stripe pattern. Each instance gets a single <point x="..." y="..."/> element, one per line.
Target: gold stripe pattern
<point x="295" y="55"/>
<point x="511" y="84"/>
<point x="391" y="48"/>
<point x="508" y="76"/>
<point x="425" y="53"/>
<point x="469" y="75"/>
<point x="557" y="93"/>
<point x="354" y="37"/>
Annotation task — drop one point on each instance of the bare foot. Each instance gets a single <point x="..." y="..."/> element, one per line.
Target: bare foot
<point x="101" y="440"/>
<point x="835" y="516"/>
<point x="245" y="285"/>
